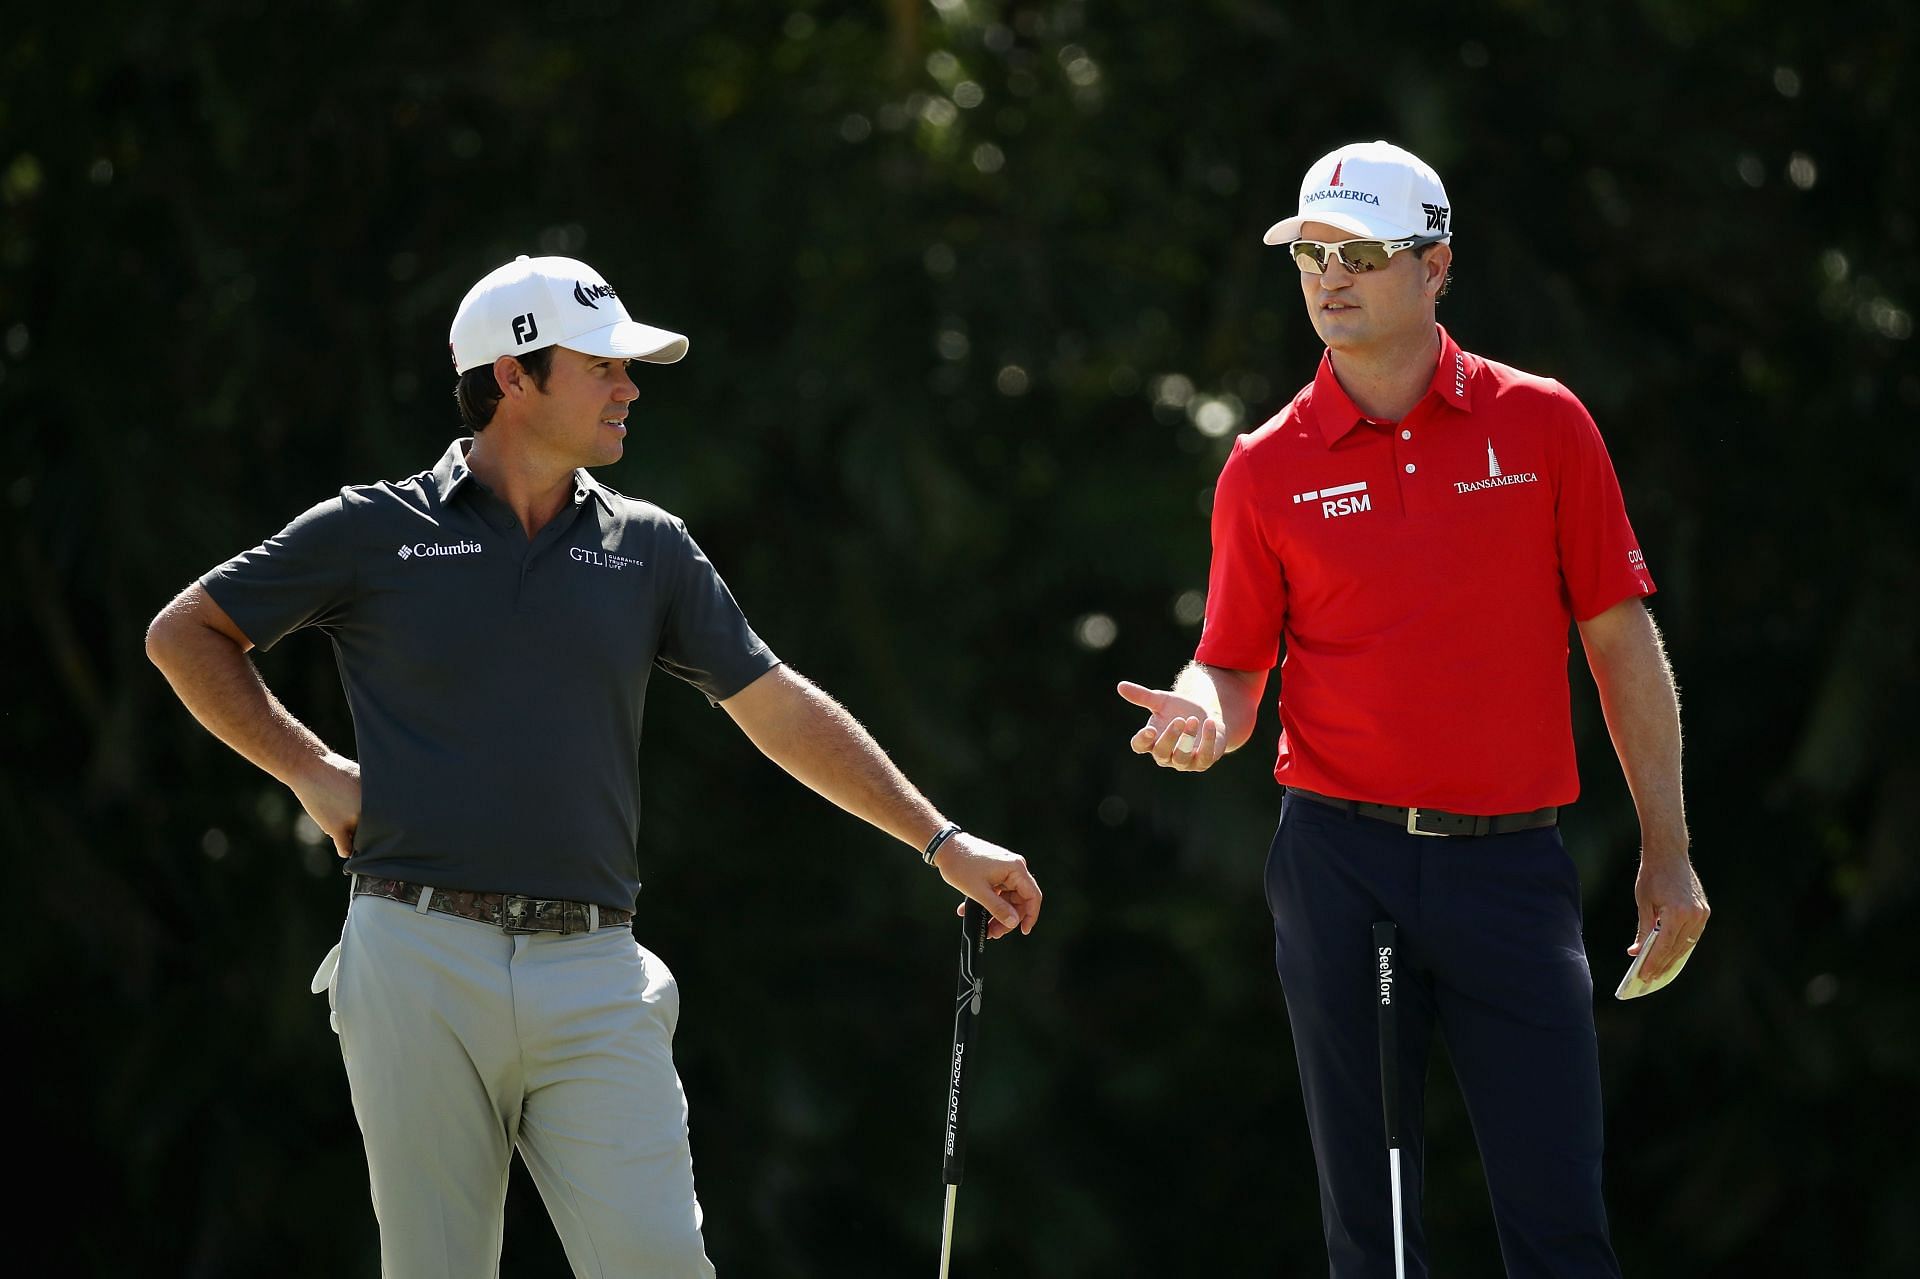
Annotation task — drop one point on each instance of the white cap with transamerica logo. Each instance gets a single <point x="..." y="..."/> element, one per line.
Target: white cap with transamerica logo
<point x="534" y="302"/>
<point x="1371" y="189"/>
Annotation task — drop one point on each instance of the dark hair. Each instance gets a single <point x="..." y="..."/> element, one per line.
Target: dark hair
<point x="1446" y="285"/>
<point x="478" y="393"/>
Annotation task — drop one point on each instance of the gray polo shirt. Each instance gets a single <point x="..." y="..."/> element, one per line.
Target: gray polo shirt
<point x="496" y="684"/>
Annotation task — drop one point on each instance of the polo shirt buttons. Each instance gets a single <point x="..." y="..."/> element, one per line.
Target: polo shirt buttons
<point x="1411" y="468"/>
<point x="1406" y="435"/>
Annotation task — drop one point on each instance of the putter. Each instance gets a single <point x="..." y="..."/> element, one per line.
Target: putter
<point x="1385" y="944"/>
<point x="966" y="1007"/>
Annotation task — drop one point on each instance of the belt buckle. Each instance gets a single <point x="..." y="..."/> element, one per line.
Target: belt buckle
<point x="524" y="915"/>
<point x="516" y="915"/>
<point x="1413" y="826"/>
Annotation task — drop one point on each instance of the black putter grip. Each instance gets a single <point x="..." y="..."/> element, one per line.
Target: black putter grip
<point x="966" y="1008"/>
<point x="1385" y="955"/>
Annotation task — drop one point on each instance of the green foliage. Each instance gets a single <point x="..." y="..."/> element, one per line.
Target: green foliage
<point x="977" y="300"/>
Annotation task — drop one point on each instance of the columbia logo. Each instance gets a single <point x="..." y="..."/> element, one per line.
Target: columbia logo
<point x="461" y="547"/>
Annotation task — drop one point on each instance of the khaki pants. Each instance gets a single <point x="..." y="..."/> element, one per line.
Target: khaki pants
<point x="463" y="1043"/>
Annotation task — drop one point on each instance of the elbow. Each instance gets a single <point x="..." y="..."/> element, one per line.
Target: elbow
<point x="161" y="639"/>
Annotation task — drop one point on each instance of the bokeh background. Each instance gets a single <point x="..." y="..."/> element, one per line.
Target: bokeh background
<point x="978" y="301"/>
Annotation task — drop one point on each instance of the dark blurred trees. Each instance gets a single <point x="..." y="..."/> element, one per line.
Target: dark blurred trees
<point x="977" y="301"/>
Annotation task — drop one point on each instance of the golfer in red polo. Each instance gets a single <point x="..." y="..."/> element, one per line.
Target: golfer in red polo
<point x="1410" y="539"/>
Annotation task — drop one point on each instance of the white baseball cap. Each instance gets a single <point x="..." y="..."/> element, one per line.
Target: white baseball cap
<point x="1372" y="189"/>
<point x="534" y="302"/>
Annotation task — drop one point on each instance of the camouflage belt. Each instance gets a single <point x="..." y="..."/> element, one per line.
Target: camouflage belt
<point x="509" y="912"/>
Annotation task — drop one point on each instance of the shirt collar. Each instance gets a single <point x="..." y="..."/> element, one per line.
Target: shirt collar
<point x="451" y="474"/>
<point x="1335" y="413"/>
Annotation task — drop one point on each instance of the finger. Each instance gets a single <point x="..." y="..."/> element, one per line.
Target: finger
<point x="1143" y="740"/>
<point x="1680" y="930"/>
<point x="1140" y="695"/>
<point x="1169" y="737"/>
<point x="1648" y="917"/>
<point x="1022" y="891"/>
<point x="1208" y="748"/>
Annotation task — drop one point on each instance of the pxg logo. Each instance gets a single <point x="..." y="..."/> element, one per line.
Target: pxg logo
<point x="525" y="329"/>
<point x="1437" y="215"/>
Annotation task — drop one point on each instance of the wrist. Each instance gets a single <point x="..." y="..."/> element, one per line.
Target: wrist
<point x="939" y="841"/>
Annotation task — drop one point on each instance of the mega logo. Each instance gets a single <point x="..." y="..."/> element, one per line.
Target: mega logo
<point x="585" y="293"/>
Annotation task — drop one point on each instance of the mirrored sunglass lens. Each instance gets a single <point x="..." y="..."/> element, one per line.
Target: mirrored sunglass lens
<point x="1310" y="257"/>
<point x="1363" y="255"/>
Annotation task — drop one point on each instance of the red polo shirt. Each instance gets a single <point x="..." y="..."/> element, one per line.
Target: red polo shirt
<point x="1423" y="575"/>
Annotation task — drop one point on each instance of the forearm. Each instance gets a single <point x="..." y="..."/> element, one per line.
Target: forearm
<point x="1642" y="709"/>
<point x="217" y="682"/>
<point x="816" y="740"/>
<point x="1232" y="697"/>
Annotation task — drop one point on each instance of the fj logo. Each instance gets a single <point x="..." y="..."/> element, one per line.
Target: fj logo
<point x="1343" y="499"/>
<point x="525" y="329"/>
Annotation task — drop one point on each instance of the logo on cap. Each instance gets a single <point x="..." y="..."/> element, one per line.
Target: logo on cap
<point x="1334" y="181"/>
<point x="585" y="293"/>
<point x="525" y="329"/>
<point x="1436" y="217"/>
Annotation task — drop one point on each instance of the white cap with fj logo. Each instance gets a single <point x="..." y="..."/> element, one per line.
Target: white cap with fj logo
<point x="534" y="302"/>
<point x="1371" y="189"/>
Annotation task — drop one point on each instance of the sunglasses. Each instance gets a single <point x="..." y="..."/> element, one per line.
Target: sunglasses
<point x="1357" y="256"/>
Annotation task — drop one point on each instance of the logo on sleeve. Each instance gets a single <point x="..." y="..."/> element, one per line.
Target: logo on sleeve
<point x="1342" y="499"/>
<point x="1496" y="478"/>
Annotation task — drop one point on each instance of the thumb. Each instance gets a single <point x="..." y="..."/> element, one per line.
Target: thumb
<point x="1647" y="920"/>
<point x="1142" y="696"/>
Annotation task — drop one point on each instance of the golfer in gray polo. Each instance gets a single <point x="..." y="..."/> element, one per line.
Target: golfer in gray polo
<point x="496" y="618"/>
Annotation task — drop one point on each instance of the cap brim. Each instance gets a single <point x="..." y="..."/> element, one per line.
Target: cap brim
<point x="1288" y="231"/>
<point x="631" y="340"/>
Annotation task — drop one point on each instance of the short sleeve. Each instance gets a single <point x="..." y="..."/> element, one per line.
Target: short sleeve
<point x="1246" y="587"/>
<point x="301" y="576"/>
<point x="705" y="639"/>
<point x="1600" y="558"/>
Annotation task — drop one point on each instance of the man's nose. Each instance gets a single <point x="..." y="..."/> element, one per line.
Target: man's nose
<point x="624" y="391"/>
<point x="1335" y="274"/>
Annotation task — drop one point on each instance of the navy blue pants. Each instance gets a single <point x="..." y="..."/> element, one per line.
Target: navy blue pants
<point x="1491" y="959"/>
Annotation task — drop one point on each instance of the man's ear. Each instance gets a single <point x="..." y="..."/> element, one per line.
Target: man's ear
<point x="512" y="378"/>
<point x="1437" y="261"/>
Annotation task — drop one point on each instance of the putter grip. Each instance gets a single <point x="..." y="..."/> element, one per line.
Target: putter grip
<point x="1386" y="947"/>
<point x="966" y="1008"/>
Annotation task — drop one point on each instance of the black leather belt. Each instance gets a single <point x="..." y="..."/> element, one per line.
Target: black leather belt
<point x="1434" y="821"/>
